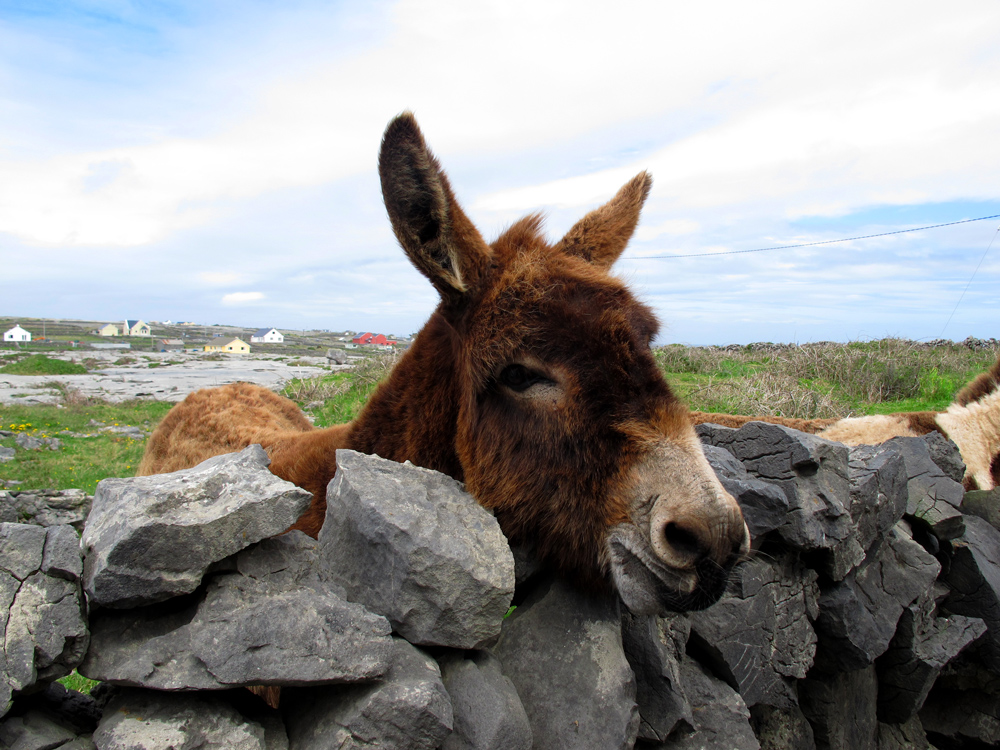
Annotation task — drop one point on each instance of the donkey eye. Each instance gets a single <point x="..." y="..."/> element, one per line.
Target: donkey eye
<point x="519" y="378"/>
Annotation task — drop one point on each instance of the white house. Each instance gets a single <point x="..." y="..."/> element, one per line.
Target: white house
<point x="16" y="334"/>
<point x="267" y="336"/>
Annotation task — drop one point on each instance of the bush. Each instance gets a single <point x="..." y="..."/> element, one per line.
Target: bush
<point x="39" y="364"/>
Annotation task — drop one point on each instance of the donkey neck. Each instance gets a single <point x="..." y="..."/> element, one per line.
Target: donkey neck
<point x="412" y="415"/>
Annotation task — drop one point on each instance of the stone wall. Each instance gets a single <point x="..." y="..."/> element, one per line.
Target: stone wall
<point x="867" y="617"/>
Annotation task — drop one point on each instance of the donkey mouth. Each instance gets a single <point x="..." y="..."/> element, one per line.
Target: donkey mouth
<point x="647" y="586"/>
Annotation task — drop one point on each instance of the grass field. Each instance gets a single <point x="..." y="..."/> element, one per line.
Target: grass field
<point x="82" y="461"/>
<point x="816" y="380"/>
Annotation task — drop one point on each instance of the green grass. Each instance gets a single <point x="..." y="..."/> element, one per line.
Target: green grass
<point x="343" y="393"/>
<point x="39" y="364"/>
<point x="812" y="381"/>
<point x="822" y="380"/>
<point x="81" y="462"/>
<point x="79" y="683"/>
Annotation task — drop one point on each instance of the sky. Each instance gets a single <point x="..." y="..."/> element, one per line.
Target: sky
<point x="216" y="162"/>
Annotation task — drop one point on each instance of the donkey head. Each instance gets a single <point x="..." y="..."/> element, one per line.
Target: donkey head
<point x="564" y="424"/>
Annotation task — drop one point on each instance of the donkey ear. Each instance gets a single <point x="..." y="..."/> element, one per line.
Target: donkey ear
<point x="601" y="236"/>
<point x="435" y="233"/>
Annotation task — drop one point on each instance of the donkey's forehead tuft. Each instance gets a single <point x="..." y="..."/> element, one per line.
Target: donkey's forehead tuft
<point x="523" y="234"/>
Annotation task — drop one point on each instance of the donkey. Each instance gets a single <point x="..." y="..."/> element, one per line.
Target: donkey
<point x="532" y="382"/>
<point x="972" y="421"/>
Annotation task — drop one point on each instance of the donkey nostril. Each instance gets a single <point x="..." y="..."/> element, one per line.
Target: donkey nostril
<point x="681" y="541"/>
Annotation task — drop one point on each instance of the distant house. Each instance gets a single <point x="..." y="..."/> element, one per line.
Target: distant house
<point x="372" y="339"/>
<point x="109" y="329"/>
<point x="169" y="345"/>
<point x="135" y="328"/>
<point x="267" y="336"/>
<point x="224" y="344"/>
<point x="16" y="334"/>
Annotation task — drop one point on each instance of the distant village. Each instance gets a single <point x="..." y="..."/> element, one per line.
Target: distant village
<point x="123" y="335"/>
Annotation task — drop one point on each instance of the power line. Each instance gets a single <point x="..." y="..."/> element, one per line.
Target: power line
<point x="812" y="244"/>
<point x="970" y="280"/>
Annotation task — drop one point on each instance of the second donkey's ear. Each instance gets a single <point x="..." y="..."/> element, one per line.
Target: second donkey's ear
<point x="438" y="237"/>
<point x="601" y="236"/>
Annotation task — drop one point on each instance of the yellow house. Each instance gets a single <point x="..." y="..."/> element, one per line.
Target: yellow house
<point x="107" y="330"/>
<point x="135" y="328"/>
<point x="234" y="345"/>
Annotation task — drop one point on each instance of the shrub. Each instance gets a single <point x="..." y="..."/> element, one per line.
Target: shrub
<point x="39" y="364"/>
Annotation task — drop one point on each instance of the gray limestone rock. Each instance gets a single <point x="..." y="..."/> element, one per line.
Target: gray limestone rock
<point x="721" y="718"/>
<point x="488" y="714"/>
<point x="555" y="643"/>
<point x="164" y="721"/>
<point x="984" y="504"/>
<point x="150" y="538"/>
<point x="858" y="615"/>
<point x="934" y="498"/>
<point x="52" y="507"/>
<point x="77" y="712"/>
<point x="841" y="708"/>
<point x="945" y="454"/>
<point x="408" y="709"/>
<point x="974" y="579"/>
<point x="922" y="646"/>
<point x="31" y="443"/>
<point x="46" y="507"/>
<point x="410" y="544"/>
<point x="964" y="706"/>
<point x="764" y="505"/>
<point x="877" y="502"/>
<point x="336" y="356"/>
<point x="812" y="472"/>
<point x="759" y="635"/>
<point x="781" y="728"/>
<point x="42" y="624"/>
<point x="35" y="731"/>
<point x="61" y="555"/>
<point x="6" y="454"/>
<point x="654" y="647"/>
<point x="909" y="735"/>
<point x="271" y="621"/>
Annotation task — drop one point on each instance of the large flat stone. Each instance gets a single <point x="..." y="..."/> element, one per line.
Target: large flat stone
<point x="163" y="721"/>
<point x="812" y="472"/>
<point x="410" y="544"/>
<point x="150" y="538"/>
<point x="858" y="615"/>
<point x="408" y="709"/>
<point x="272" y="621"/>
<point x="562" y="649"/>
<point x="488" y="714"/>
<point x="760" y="635"/>
<point x="43" y="628"/>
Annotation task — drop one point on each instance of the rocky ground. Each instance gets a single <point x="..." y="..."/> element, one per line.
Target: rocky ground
<point x="119" y="376"/>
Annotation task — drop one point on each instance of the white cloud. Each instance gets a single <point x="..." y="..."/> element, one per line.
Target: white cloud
<point x="748" y="116"/>
<point x="241" y="298"/>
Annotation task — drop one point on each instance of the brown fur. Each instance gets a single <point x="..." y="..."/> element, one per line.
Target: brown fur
<point x="984" y="384"/>
<point x="736" y="421"/>
<point x="594" y="461"/>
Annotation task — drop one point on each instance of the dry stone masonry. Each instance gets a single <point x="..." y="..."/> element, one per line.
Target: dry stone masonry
<point x="867" y="617"/>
